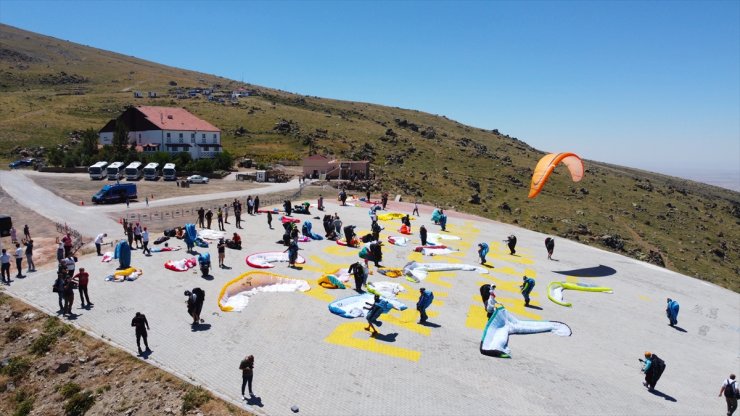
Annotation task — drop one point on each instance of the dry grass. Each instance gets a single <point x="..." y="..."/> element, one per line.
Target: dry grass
<point x="113" y="379"/>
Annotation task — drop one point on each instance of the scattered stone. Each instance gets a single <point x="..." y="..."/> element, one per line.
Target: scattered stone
<point x="168" y="410"/>
<point x="655" y="258"/>
<point x="505" y="207"/>
<point x="294" y="409"/>
<point x="475" y="199"/>
<point x="29" y="316"/>
<point x="82" y="360"/>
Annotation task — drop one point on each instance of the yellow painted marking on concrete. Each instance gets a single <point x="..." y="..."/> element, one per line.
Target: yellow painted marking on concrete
<point x="407" y="319"/>
<point x="342" y="251"/>
<point x="435" y="279"/>
<point x="645" y="298"/>
<point x="476" y="317"/>
<point x="516" y="306"/>
<point x="530" y="273"/>
<point x="416" y="256"/>
<point x="325" y="265"/>
<point x="346" y="336"/>
<point x="571" y="279"/>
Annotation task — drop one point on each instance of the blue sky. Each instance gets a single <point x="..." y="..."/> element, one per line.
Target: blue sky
<point x="654" y="85"/>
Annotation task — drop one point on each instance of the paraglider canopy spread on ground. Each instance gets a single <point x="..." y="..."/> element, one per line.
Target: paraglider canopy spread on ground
<point x="547" y="164"/>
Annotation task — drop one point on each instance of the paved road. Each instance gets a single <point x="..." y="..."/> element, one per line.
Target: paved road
<point x="328" y="365"/>
<point x="36" y="198"/>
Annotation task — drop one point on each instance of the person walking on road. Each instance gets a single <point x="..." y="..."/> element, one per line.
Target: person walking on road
<point x="671" y="311"/>
<point x="482" y="252"/>
<point x="137" y="235"/>
<point x="653" y="368"/>
<point x="256" y="207"/>
<point x="220" y="219"/>
<point x="5" y="266"/>
<point x="82" y="279"/>
<point x="550" y="246"/>
<point x="67" y="241"/>
<point x="60" y="252"/>
<point x="29" y="255"/>
<point x="145" y="242"/>
<point x="142" y="325"/>
<point x="359" y="271"/>
<point x="425" y="299"/>
<point x="269" y="219"/>
<point x="13" y="235"/>
<point x="511" y="242"/>
<point x="201" y="217"/>
<point x="26" y="232"/>
<point x="423" y="235"/>
<point x="130" y="235"/>
<point x="731" y="392"/>
<point x="416" y="209"/>
<point x="221" y="247"/>
<point x="226" y="214"/>
<point x="209" y="218"/>
<point x="373" y="313"/>
<point x="58" y="286"/>
<point x="526" y="288"/>
<point x="69" y="294"/>
<point x="99" y="243"/>
<point x="19" y="260"/>
<point x="247" y="367"/>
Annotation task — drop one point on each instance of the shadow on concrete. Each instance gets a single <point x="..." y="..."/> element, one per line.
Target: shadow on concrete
<point x="200" y="327"/>
<point x="678" y="328"/>
<point x="663" y="395"/>
<point x="255" y="401"/>
<point x="533" y="307"/>
<point x="385" y="337"/>
<point x="430" y="324"/>
<point x="145" y="355"/>
<point x="598" y="271"/>
<point x="207" y="277"/>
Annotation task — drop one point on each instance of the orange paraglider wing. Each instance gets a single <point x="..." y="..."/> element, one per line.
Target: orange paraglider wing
<point x="547" y="164"/>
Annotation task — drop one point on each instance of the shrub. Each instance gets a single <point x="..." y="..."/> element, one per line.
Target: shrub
<point x="194" y="398"/>
<point x="43" y="344"/>
<point x="68" y="390"/>
<point x="24" y="403"/>
<point x="79" y="404"/>
<point x="17" y="367"/>
<point x="14" y="333"/>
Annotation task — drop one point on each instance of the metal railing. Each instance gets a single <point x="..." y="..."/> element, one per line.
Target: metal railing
<point x="190" y="214"/>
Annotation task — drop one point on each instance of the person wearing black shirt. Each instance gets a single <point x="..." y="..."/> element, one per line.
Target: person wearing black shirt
<point x="142" y="325"/>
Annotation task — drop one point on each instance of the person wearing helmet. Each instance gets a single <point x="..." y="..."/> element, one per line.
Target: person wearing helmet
<point x="653" y="368"/>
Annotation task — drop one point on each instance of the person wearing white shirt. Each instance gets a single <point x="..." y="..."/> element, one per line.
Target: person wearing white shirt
<point x="19" y="259"/>
<point x="5" y="266"/>
<point x="99" y="242"/>
<point x="730" y="391"/>
<point x="145" y="242"/>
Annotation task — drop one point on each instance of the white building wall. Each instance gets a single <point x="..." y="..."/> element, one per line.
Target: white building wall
<point x="159" y="137"/>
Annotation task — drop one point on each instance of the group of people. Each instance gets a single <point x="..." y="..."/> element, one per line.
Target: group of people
<point x="23" y="249"/>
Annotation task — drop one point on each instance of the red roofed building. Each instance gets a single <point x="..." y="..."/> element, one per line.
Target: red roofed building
<point x="166" y="129"/>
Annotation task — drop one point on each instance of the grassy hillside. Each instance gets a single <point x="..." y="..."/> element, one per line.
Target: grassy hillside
<point x="51" y="87"/>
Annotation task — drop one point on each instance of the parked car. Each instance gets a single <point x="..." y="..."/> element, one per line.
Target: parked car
<point x="21" y="163"/>
<point x="197" y="179"/>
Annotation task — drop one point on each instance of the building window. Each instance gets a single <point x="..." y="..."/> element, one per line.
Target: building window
<point x="203" y="140"/>
<point x="192" y="140"/>
<point x="192" y="135"/>
<point x="205" y="148"/>
<point x="214" y="139"/>
<point x="140" y="135"/>
<point x="168" y="138"/>
<point x="181" y="135"/>
<point x="203" y="136"/>
<point x="214" y="136"/>
<point x="168" y="135"/>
